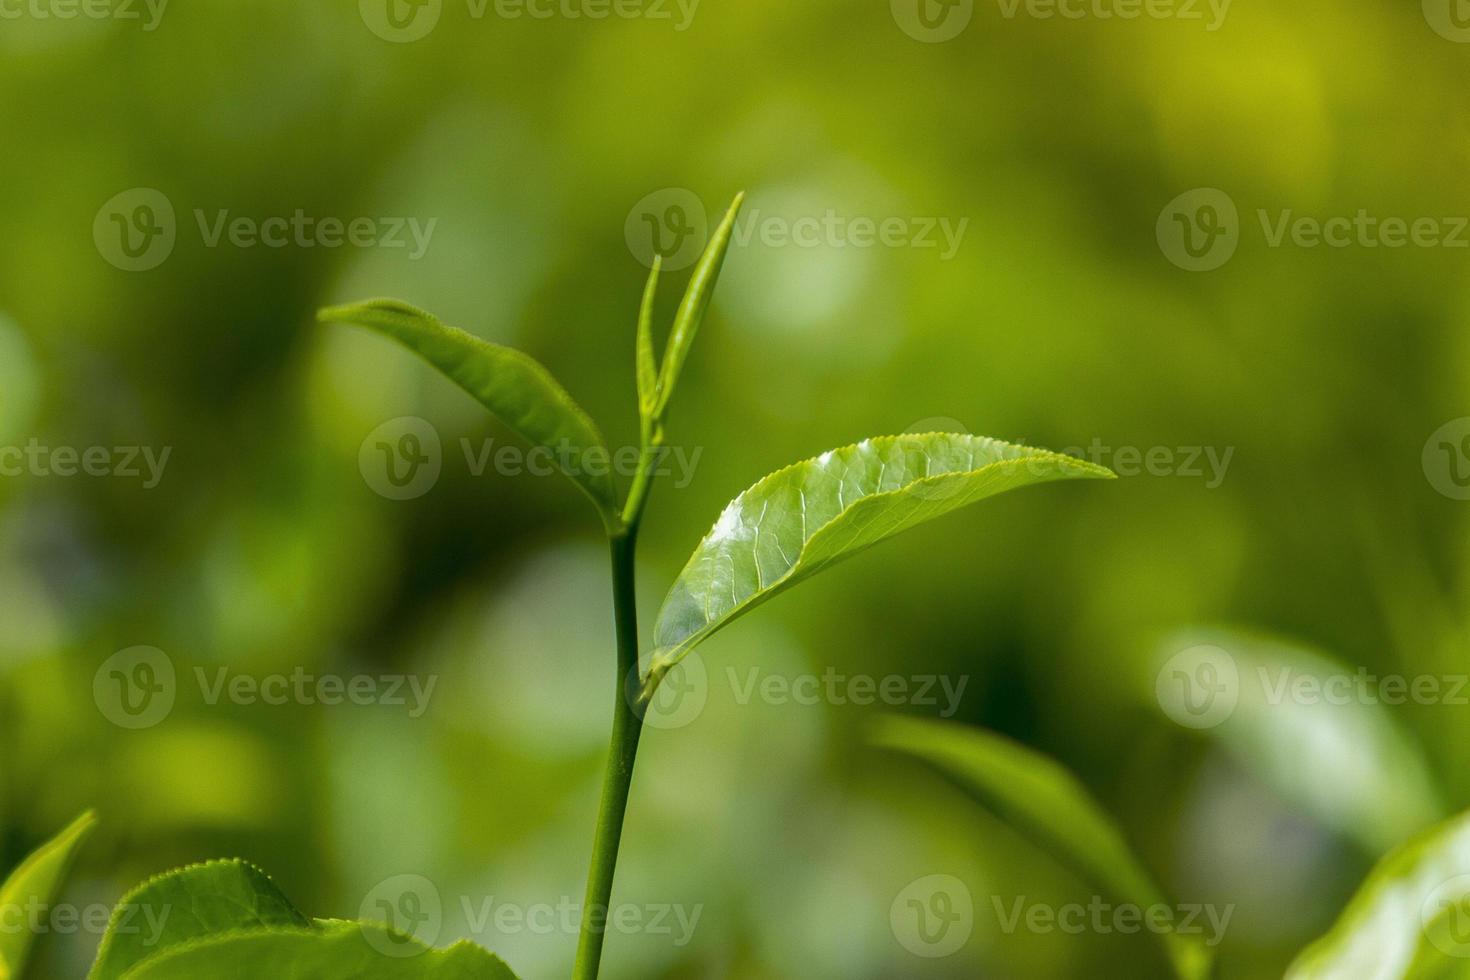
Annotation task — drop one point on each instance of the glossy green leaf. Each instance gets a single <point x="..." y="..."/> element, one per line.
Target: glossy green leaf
<point x="326" y="951"/>
<point x="1304" y="724"/>
<point x="647" y="365"/>
<point x="187" y="905"/>
<point x="804" y="518"/>
<point x="1046" y="804"/>
<point x="35" y="884"/>
<point x="1410" y="919"/>
<point x="512" y="385"/>
<point x="693" y="306"/>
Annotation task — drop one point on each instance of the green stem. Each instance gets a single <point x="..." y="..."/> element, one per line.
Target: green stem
<point x="627" y="727"/>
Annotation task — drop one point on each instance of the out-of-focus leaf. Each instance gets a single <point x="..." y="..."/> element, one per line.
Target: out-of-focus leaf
<point x="693" y="305"/>
<point x="186" y="905"/>
<point x="1409" y="918"/>
<point x="647" y="365"/>
<point x="512" y="385"/>
<point x="804" y="518"/>
<point x="34" y="885"/>
<point x="329" y="951"/>
<point x="1046" y="804"/>
<point x="1312" y="729"/>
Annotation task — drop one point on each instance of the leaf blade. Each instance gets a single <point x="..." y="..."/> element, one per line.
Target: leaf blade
<point x="332" y="950"/>
<point x="646" y="364"/>
<point x="801" y="519"/>
<point x="36" y="882"/>
<point x="693" y="306"/>
<point x="1395" y="923"/>
<point x="514" y="386"/>
<point x="187" y="905"/>
<point x="1045" y="803"/>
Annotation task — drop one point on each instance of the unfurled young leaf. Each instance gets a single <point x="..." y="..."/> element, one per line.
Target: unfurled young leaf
<point x="692" y="307"/>
<point x="329" y="950"/>
<point x="647" y="364"/>
<point x="804" y="518"/>
<point x="1407" y="920"/>
<point x="187" y="905"/>
<point x="35" y="884"/>
<point x="1047" y="805"/>
<point x="515" y="387"/>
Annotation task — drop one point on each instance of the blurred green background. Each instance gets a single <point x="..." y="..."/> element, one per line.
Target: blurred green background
<point x="538" y="146"/>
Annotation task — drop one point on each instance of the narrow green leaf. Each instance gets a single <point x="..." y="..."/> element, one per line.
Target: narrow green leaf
<point x="693" y="305"/>
<point x="512" y="385"/>
<point x="329" y="951"/>
<point x="1046" y="804"/>
<point x="801" y="519"/>
<point x="1407" y="920"/>
<point x="1344" y="761"/>
<point x="35" y="884"/>
<point x="647" y="366"/>
<point x="187" y="905"/>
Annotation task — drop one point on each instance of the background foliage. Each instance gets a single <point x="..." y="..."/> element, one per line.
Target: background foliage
<point x="1057" y="322"/>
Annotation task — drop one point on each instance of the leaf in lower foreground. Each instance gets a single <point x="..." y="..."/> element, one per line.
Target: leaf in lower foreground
<point x="34" y="885"/>
<point x="329" y="951"/>
<point x="187" y="905"/>
<point x="799" y="520"/>
<point x="1407" y="920"/>
<point x="1046" y="804"/>
<point x="512" y="385"/>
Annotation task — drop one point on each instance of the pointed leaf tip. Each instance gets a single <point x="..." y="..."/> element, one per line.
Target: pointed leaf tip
<point x="694" y="304"/>
<point x="514" y="386"/>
